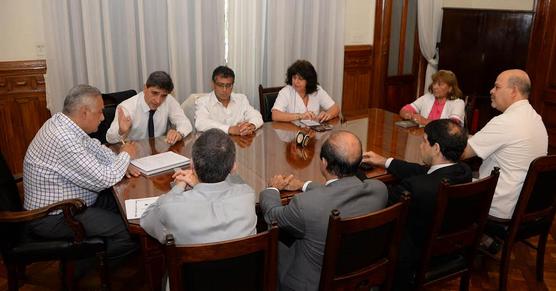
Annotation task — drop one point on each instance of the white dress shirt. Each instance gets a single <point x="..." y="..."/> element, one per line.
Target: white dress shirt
<point x="211" y="113"/>
<point x="289" y="101"/>
<point x="510" y="141"/>
<point x="137" y="109"/>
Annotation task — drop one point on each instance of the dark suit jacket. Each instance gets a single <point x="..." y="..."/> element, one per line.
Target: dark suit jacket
<point x="306" y="219"/>
<point x="423" y="188"/>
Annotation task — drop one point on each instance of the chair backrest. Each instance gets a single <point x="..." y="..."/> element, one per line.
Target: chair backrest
<point x="242" y="264"/>
<point x="471" y="114"/>
<point x="267" y="97"/>
<point x="460" y="216"/>
<point x="188" y="106"/>
<point x="537" y="201"/>
<point x="9" y="199"/>
<point x="111" y="101"/>
<point x="361" y="252"/>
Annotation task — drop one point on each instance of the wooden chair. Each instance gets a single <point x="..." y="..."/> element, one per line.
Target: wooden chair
<point x="267" y="97"/>
<point x="455" y="231"/>
<point x="20" y="248"/>
<point x="533" y="216"/>
<point x="111" y="101"/>
<point x="362" y="251"/>
<point x="242" y="264"/>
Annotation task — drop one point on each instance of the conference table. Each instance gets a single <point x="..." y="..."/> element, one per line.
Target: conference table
<point x="270" y="151"/>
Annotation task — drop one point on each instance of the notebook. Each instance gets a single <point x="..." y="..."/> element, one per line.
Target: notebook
<point x="134" y="208"/>
<point x="159" y="163"/>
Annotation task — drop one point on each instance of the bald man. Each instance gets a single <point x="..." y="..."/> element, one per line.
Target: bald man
<point x="305" y="218"/>
<point x="509" y="141"/>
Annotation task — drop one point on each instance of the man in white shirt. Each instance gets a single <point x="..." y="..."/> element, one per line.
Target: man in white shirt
<point x="225" y="110"/>
<point x="148" y="113"/>
<point x="510" y="140"/>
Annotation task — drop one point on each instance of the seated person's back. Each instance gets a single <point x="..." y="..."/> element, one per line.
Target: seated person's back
<point x="305" y="218"/>
<point x="218" y="207"/>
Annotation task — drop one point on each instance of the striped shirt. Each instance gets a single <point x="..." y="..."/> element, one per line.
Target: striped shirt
<point x="63" y="162"/>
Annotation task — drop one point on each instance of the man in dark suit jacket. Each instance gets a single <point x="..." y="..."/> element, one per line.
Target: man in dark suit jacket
<point x="305" y="218"/>
<point x="442" y="145"/>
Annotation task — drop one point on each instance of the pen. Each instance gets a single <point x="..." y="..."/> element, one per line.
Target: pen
<point x="122" y="140"/>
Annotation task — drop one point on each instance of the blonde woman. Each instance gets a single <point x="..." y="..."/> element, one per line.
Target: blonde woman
<point x="443" y="100"/>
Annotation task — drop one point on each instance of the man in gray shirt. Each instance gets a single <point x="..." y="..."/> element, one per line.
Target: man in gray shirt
<point x="219" y="206"/>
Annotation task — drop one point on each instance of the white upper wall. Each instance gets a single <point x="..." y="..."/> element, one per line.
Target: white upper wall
<point x="360" y="22"/>
<point x="22" y="32"/>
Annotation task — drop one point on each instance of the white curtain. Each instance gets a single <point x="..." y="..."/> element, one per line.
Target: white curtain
<point x="115" y="45"/>
<point x="267" y="36"/>
<point x="311" y="30"/>
<point x="429" y="22"/>
<point x="245" y="45"/>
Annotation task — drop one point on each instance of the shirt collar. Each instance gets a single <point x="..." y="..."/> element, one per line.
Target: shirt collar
<point x="331" y="181"/>
<point x="215" y="100"/>
<point x="70" y="123"/>
<point x="142" y="103"/>
<point x="439" y="166"/>
<point x="517" y="104"/>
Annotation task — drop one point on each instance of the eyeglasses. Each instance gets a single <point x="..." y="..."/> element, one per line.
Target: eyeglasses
<point x="224" y="85"/>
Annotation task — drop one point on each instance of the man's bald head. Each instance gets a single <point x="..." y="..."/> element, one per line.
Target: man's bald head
<point x="342" y="152"/>
<point x="520" y="80"/>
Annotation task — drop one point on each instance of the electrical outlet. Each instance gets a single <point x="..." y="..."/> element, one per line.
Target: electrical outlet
<point x="40" y="50"/>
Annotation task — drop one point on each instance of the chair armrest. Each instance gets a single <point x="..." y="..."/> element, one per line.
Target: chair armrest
<point x="18" y="178"/>
<point x="69" y="208"/>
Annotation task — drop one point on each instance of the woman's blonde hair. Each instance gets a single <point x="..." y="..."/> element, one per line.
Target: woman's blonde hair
<point x="449" y="78"/>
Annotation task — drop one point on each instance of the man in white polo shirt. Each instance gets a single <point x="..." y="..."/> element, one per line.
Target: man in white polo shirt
<point x="510" y="141"/>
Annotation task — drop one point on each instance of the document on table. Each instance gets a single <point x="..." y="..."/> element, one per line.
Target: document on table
<point x="134" y="208"/>
<point x="160" y="162"/>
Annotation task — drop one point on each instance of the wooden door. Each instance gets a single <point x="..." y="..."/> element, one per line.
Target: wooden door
<point x="403" y="56"/>
<point x="542" y="68"/>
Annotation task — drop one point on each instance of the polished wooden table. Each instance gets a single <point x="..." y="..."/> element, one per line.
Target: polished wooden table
<point x="270" y="151"/>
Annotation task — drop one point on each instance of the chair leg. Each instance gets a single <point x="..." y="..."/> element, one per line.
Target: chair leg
<point x="464" y="281"/>
<point x="68" y="270"/>
<point x="13" y="280"/>
<point x="103" y="271"/>
<point x="541" y="247"/>
<point x="505" y="266"/>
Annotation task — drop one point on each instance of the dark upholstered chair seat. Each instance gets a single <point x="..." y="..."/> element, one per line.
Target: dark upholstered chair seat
<point x="33" y="251"/>
<point x="444" y="266"/>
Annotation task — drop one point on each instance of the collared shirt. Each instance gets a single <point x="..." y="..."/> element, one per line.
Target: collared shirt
<point x="137" y="109"/>
<point x="211" y="113"/>
<point x="63" y="162"/>
<point x="452" y="109"/>
<point x="510" y="141"/>
<point x="431" y="169"/>
<point x="210" y="212"/>
<point x="288" y="100"/>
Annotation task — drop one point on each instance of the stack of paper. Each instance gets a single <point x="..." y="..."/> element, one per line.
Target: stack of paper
<point x="160" y="163"/>
<point x="134" y="208"/>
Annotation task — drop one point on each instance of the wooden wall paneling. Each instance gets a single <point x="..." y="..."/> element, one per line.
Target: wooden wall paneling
<point x="381" y="42"/>
<point x="543" y="67"/>
<point x="358" y="64"/>
<point x="479" y="44"/>
<point x="22" y="108"/>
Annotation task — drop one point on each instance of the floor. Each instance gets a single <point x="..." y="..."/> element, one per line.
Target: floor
<point x="44" y="276"/>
